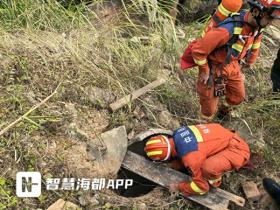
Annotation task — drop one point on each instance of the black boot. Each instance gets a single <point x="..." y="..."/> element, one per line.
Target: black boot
<point x="273" y="189"/>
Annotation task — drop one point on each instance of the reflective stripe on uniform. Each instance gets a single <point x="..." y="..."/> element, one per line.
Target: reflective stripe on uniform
<point x="237" y="47"/>
<point x="200" y="62"/>
<point x="153" y="141"/>
<point x="223" y="10"/>
<point x="250" y="46"/>
<point x="203" y="33"/>
<point x="196" y="189"/>
<point x="212" y="181"/>
<point x="256" y="46"/>
<point x="196" y="133"/>
<point x="237" y="30"/>
<point x="159" y="152"/>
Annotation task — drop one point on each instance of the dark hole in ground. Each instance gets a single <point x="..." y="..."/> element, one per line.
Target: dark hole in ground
<point x="141" y="185"/>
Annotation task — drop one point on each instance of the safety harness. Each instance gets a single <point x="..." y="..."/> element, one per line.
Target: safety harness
<point x="233" y="48"/>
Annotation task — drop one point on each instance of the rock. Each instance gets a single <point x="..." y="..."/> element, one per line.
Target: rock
<point x="131" y="135"/>
<point x="142" y="206"/>
<point x="167" y="120"/>
<point x="251" y="191"/>
<point x="115" y="142"/>
<point x="86" y="199"/>
<point x="138" y="113"/>
<point x="60" y="204"/>
<point x="99" y="97"/>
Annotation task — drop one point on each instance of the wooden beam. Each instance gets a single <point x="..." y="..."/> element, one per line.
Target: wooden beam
<point x="129" y="98"/>
<point x="215" y="199"/>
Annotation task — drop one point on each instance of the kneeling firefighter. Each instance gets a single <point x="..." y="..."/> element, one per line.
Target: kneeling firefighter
<point x="229" y="38"/>
<point x="207" y="150"/>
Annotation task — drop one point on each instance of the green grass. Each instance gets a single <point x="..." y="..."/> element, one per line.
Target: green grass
<point x="40" y="15"/>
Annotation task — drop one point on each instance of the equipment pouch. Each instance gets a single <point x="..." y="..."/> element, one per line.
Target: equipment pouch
<point x="219" y="87"/>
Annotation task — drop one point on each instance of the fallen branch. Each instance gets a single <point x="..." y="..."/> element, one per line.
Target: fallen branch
<point x="129" y="98"/>
<point x="28" y="112"/>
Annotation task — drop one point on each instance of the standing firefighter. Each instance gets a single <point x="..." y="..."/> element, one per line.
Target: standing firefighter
<point x="219" y="52"/>
<point x="207" y="150"/>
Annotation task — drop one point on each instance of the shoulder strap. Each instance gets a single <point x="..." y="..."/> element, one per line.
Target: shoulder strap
<point x="238" y="22"/>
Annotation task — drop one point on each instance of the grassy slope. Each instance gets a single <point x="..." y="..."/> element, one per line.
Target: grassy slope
<point x="43" y="44"/>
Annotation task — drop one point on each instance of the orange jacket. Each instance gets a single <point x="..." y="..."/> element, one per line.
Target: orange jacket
<point x="213" y="45"/>
<point x="212" y="138"/>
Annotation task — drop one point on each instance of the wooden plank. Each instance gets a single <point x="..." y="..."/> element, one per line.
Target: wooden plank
<point x="215" y="199"/>
<point x="129" y="98"/>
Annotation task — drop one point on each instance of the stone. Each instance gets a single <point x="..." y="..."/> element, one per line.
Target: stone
<point x="86" y="199"/>
<point x="60" y="204"/>
<point x="142" y="206"/>
<point x="131" y="135"/>
<point x="251" y="191"/>
<point x="115" y="142"/>
<point x="138" y="113"/>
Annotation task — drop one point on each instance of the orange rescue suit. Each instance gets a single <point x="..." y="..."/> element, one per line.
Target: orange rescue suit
<point x="219" y="150"/>
<point x="212" y="49"/>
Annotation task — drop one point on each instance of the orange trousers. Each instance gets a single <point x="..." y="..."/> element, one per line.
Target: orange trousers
<point x="235" y="90"/>
<point x="233" y="157"/>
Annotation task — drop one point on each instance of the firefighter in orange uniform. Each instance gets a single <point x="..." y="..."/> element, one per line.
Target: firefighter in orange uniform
<point x="224" y="44"/>
<point x="208" y="150"/>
